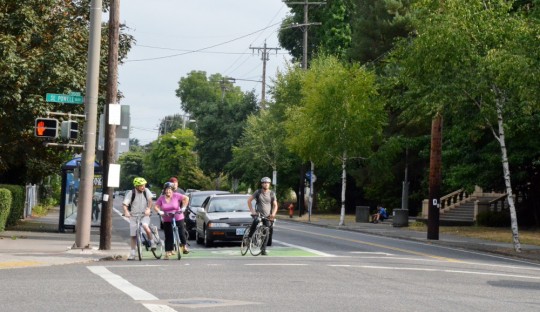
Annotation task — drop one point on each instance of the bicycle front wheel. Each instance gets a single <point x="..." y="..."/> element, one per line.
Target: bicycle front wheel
<point x="177" y="243"/>
<point x="158" y="252"/>
<point x="138" y="239"/>
<point x="244" y="246"/>
<point x="258" y="240"/>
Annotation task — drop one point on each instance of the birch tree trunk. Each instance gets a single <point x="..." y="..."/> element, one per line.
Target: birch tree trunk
<point x="506" y="174"/>
<point x="343" y="187"/>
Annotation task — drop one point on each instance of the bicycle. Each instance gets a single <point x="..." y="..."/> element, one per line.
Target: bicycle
<point x="258" y="239"/>
<point x="176" y="234"/>
<point x="142" y="240"/>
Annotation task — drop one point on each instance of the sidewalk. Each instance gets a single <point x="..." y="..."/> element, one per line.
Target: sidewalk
<point x="36" y="242"/>
<point x="528" y="253"/>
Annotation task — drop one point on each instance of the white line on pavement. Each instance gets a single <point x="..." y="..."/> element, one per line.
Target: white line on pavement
<point x="129" y="289"/>
<point x="320" y="253"/>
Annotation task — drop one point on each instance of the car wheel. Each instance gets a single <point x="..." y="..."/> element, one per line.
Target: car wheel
<point x="207" y="240"/>
<point x="198" y="238"/>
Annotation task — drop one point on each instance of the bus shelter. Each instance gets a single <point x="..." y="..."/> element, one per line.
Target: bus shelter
<point x="70" y="194"/>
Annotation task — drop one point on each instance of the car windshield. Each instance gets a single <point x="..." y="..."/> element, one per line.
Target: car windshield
<point x="197" y="200"/>
<point x="228" y="204"/>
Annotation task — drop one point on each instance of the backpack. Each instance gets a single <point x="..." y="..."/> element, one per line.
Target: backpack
<point x="257" y="195"/>
<point x="133" y="198"/>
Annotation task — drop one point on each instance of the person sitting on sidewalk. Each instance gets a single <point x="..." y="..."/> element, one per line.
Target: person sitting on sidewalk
<point x="380" y="215"/>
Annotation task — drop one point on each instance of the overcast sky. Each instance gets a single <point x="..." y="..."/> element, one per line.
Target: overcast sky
<point x="166" y="29"/>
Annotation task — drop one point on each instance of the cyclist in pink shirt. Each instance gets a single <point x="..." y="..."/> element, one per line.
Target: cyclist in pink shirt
<point x="169" y="202"/>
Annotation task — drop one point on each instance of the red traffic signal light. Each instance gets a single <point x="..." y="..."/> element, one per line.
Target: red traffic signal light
<point x="46" y="128"/>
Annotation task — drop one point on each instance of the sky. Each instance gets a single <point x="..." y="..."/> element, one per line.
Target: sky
<point x="175" y="37"/>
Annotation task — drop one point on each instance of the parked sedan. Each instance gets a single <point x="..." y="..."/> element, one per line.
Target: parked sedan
<point x="196" y="199"/>
<point x="222" y="218"/>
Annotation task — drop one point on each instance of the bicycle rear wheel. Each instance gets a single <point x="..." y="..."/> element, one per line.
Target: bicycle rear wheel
<point x="244" y="246"/>
<point x="258" y="240"/>
<point x="177" y="243"/>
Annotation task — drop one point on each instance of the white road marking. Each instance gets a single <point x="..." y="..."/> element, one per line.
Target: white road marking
<point x="158" y="307"/>
<point x="276" y="264"/>
<point x="372" y="253"/>
<point x="320" y="253"/>
<point x="437" y="270"/>
<point x="129" y="289"/>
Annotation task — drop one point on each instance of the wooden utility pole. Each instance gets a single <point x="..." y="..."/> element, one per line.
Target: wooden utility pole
<point x="110" y="130"/>
<point x="435" y="177"/>
<point x="304" y="27"/>
<point x="264" y="57"/>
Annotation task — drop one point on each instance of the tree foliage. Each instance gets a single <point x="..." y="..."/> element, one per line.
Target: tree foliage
<point x="43" y="49"/>
<point x="171" y="155"/>
<point x="220" y="111"/>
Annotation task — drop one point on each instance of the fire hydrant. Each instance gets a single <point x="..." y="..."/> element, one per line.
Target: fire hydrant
<point x="291" y="210"/>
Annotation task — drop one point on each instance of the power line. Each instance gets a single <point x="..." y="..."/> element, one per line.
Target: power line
<point x="195" y="51"/>
<point x="202" y="49"/>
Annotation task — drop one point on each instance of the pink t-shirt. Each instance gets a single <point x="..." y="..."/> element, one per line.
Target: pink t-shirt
<point x="172" y="206"/>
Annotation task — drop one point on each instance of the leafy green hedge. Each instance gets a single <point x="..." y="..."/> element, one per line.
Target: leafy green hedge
<point x="5" y="206"/>
<point x="17" y="202"/>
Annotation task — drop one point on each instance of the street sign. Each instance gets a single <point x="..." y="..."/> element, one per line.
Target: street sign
<point x="64" y="98"/>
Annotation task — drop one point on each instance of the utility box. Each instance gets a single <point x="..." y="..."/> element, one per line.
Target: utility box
<point x="362" y="214"/>
<point x="400" y="217"/>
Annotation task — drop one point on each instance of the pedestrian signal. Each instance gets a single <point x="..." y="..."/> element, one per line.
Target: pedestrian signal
<point x="70" y="130"/>
<point x="46" y="128"/>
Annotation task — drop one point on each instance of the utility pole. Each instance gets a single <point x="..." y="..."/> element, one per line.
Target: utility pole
<point x="110" y="129"/>
<point x="264" y="57"/>
<point x="435" y="177"/>
<point x="82" y="235"/>
<point x="304" y="27"/>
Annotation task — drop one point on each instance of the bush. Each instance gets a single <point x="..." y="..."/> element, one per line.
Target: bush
<point x="326" y="204"/>
<point x="5" y="207"/>
<point x="493" y="219"/>
<point x="17" y="202"/>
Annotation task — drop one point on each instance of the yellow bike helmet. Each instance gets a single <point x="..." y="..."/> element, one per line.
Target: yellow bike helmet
<point x="139" y="181"/>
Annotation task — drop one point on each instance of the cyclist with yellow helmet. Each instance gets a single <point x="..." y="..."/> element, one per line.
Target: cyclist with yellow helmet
<point x="138" y="201"/>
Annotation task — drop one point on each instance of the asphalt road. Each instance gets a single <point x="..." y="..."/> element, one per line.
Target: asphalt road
<point x="309" y="268"/>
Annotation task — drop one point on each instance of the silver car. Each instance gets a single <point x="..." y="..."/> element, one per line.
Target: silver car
<point x="222" y="218"/>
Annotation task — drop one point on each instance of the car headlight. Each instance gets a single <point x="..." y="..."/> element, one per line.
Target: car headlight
<point x="218" y="224"/>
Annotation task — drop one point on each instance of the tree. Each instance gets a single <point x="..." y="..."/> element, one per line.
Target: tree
<point x="131" y="164"/>
<point x="473" y="55"/>
<point x="43" y="49"/>
<point x="332" y="36"/>
<point x="375" y="26"/>
<point x="339" y="118"/>
<point x="171" y="155"/>
<point x="220" y="111"/>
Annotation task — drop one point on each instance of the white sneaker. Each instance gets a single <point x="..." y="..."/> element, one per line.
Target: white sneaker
<point x="152" y="245"/>
<point x="131" y="255"/>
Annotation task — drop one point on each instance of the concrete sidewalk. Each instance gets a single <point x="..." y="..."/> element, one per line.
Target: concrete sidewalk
<point x="36" y="242"/>
<point x="529" y="252"/>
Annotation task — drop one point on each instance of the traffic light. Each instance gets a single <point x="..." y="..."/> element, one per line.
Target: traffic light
<point x="46" y="128"/>
<point x="70" y="130"/>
